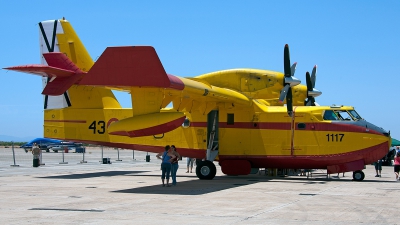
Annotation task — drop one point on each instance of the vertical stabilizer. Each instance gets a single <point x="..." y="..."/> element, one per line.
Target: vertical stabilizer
<point x="48" y="42"/>
<point x="59" y="36"/>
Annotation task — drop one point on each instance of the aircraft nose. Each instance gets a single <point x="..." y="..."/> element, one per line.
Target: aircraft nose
<point x="370" y="126"/>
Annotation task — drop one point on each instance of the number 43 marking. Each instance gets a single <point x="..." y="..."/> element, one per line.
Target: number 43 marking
<point x="335" y="137"/>
<point x="101" y="125"/>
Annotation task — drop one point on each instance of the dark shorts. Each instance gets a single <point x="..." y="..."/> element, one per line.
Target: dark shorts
<point x="396" y="168"/>
<point x="378" y="165"/>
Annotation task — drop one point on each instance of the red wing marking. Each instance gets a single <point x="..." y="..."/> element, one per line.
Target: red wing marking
<point x="159" y="129"/>
<point x="111" y="121"/>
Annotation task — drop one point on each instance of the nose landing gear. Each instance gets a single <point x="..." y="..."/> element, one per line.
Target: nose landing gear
<point x="358" y="175"/>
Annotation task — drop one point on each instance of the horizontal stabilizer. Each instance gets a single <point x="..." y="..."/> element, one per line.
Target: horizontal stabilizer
<point x="42" y="70"/>
<point x="130" y="66"/>
<point x="61" y="71"/>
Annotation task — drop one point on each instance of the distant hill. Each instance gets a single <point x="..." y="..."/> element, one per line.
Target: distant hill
<point x="15" y="139"/>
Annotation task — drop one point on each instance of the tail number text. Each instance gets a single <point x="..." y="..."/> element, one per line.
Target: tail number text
<point x="98" y="127"/>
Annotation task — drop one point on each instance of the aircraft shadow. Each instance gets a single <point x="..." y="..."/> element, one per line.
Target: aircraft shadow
<point x="200" y="187"/>
<point x="92" y="175"/>
<point x="192" y="187"/>
<point x="320" y="180"/>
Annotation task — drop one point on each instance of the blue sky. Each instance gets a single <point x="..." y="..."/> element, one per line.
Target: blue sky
<point x="354" y="43"/>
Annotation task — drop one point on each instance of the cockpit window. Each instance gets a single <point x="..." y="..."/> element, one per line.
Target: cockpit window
<point x="330" y="115"/>
<point x="341" y="115"/>
<point x="355" y="114"/>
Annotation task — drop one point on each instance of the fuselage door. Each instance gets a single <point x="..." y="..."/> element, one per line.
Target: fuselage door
<point x="212" y="135"/>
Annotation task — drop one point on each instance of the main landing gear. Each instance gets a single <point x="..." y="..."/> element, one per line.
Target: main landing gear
<point x="358" y="175"/>
<point x="206" y="170"/>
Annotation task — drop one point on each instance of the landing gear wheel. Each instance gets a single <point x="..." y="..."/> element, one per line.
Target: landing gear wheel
<point x="206" y="170"/>
<point x="358" y="175"/>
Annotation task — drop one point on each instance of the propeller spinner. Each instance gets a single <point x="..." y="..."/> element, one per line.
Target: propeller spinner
<point x="289" y="81"/>
<point x="311" y="91"/>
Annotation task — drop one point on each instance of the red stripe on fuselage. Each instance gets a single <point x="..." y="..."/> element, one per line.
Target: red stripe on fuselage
<point x="340" y="127"/>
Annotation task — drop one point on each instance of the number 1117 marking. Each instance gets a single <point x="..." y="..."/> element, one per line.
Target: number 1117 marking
<point x="334" y="137"/>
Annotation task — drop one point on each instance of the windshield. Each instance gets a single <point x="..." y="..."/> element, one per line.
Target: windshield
<point x="355" y="114"/>
<point x="341" y="115"/>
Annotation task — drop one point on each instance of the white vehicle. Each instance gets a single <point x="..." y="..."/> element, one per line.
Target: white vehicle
<point x="69" y="145"/>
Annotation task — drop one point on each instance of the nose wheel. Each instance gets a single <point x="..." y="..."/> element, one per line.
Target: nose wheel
<point x="358" y="175"/>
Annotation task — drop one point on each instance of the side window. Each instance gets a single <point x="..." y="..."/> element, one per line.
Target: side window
<point x="230" y="119"/>
<point x="301" y="126"/>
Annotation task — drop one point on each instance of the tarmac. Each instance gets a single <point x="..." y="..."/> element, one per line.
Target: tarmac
<point x="129" y="191"/>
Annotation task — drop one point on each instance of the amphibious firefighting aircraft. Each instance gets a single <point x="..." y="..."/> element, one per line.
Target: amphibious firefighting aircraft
<point x="236" y="117"/>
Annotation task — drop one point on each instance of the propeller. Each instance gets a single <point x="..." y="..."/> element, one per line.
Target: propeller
<point x="289" y="81"/>
<point x="311" y="91"/>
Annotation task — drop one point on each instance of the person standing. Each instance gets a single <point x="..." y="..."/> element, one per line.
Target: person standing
<point x="174" y="164"/>
<point x="397" y="165"/>
<point x="378" y="168"/>
<point x="36" y="154"/>
<point x="166" y="164"/>
<point x="190" y="162"/>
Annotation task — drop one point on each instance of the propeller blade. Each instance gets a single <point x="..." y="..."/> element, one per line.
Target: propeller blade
<point x="293" y="68"/>
<point x="286" y="61"/>
<point x="284" y="93"/>
<point x="311" y="91"/>
<point x="289" y="102"/>
<point x="309" y="82"/>
<point x="310" y="101"/>
<point x="314" y="76"/>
